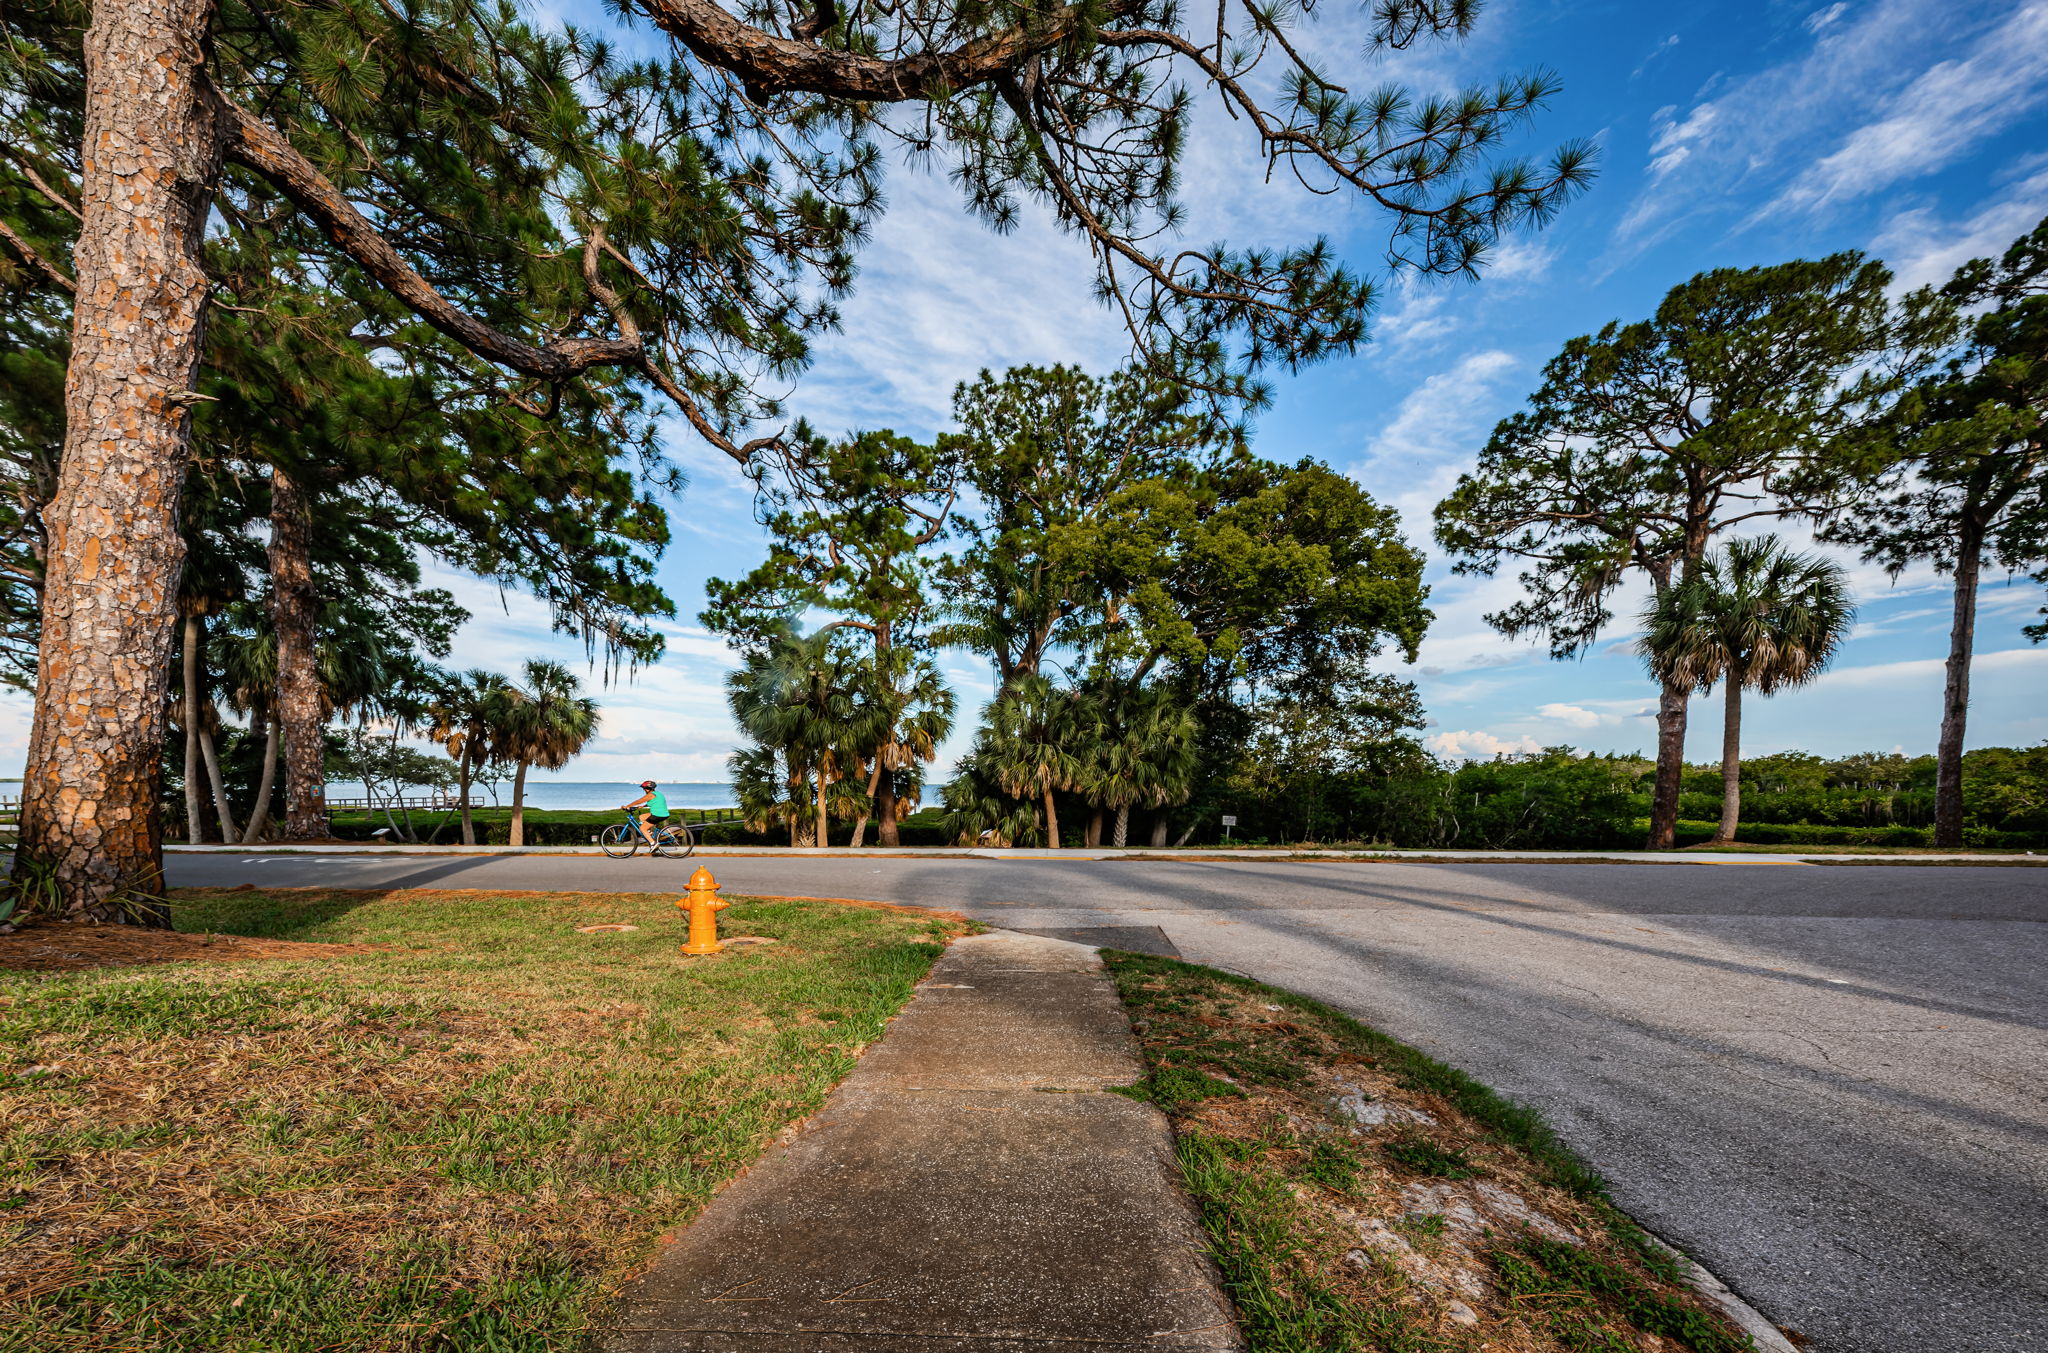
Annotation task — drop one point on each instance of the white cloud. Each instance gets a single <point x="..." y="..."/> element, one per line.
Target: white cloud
<point x="1470" y="743"/>
<point x="1822" y="18"/>
<point x="1924" y="248"/>
<point x="1578" y="716"/>
<point x="1934" y="120"/>
<point x="1883" y="93"/>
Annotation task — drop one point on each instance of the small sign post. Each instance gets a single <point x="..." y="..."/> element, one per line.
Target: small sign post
<point x="1228" y="822"/>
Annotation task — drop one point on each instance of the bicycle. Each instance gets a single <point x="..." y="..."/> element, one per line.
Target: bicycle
<point x="622" y="840"/>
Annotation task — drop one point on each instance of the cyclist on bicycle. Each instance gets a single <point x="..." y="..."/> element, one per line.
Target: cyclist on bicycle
<point x="656" y="816"/>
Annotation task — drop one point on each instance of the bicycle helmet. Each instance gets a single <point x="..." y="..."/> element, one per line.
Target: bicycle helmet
<point x="647" y="784"/>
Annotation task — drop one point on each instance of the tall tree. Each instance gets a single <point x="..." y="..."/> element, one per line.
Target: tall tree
<point x="850" y="527"/>
<point x="1646" y="440"/>
<point x="552" y="214"/>
<point x="1754" y="616"/>
<point x="1045" y="450"/>
<point x="797" y="696"/>
<point x="545" y="723"/>
<point x="465" y="716"/>
<point x="1958" y="469"/>
<point x="1028" y="745"/>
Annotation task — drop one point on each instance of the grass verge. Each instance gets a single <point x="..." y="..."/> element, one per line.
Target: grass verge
<point x="1359" y="1195"/>
<point x="458" y="1128"/>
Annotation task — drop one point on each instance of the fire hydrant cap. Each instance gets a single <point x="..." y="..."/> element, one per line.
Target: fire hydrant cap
<point x="702" y="881"/>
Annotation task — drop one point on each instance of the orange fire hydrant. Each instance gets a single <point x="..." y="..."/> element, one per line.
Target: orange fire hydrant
<point x="702" y="905"/>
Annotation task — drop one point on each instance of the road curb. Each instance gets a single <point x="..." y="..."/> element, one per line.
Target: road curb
<point x="1766" y="1336"/>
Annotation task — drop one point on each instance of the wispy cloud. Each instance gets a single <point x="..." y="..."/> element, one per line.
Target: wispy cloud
<point x="1881" y="94"/>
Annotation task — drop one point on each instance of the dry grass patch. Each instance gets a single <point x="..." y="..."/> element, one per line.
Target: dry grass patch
<point x="1360" y="1196"/>
<point x="460" y="1131"/>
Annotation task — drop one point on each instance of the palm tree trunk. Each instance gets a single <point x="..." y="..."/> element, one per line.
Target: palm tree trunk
<point x="518" y="834"/>
<point x="1159" y="828"/>
<point x="1955" y="696"/>
<point x="195" y="826"/>
<point x="1671" y="712"/>
<point x="259" y="815"/>
<point x="210" y="754"/>
<point x="1092" y="836"/>
<point x="1123" y="826"/>
<point x="886" y="833"/>
<point x="823" y="829"/>
<point x="468" y="825"/>
<point x="1731" y="758"/>
<point x="1052" y="823"/>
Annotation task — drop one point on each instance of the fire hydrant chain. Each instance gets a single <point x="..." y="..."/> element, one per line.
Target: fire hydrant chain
<point x="703" y="905"/>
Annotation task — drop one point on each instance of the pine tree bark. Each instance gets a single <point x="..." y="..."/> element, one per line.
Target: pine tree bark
<point x="298" y="712"/>
<point x="1671" y="712"/>
<point x="259" y="815"/>
<point x="1955" y="696"/>
<point x="1731" y="758"/>
<point x="195" y="829"/>
<point x="150" y="165"/>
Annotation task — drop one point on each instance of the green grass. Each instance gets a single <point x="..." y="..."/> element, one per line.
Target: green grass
<point x="1281" y="1183"/>
<point x="461" y="1141"/>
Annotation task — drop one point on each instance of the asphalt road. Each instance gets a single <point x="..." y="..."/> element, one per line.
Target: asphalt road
<point x="1825" y="1082"/>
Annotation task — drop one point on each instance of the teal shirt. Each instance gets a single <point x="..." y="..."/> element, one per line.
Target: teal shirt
<point x="657" y="805"/>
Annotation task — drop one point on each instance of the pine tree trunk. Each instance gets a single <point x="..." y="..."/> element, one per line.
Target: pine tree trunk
<point x="259" y="815"/>
<point x="517" y="837"/>
<point x="298" y="712"/>
<point x="1731" y="758"/>
<point x="1123" y="826"/>
<point x="1052" y="823"/>
<point x="195" y="830"/>
<point x="149" y="170"/>
<point x="1955" y="696"/>
<point x="1671" y="711"/>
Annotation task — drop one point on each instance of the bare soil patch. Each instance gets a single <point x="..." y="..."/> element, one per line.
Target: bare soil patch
<point x="64" y="946"/>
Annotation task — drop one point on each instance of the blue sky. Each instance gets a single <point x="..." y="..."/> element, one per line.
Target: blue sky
<point x="1737" y="133"/>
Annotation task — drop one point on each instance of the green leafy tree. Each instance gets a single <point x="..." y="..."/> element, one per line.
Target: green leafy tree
<point x="1646" y="440"/>
<point x="1754" y="616"/>
<point x="537" y="211"/>
<point x="545" y="722"/>
<point x="1045" y="450"/>
<point x="1958" y="470"/>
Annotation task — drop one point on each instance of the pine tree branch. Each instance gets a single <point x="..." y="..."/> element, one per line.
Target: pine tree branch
<point x="258" y="146"/>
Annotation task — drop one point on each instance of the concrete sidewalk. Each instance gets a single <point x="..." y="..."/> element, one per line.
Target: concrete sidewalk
<point x="971" y="1186"/>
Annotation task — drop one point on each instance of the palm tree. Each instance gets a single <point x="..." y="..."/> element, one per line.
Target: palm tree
<point x="465" y="716"/>
<point x="1030" y="727"/>
<point x="543" y="723"/>
<point x="1141" y="752"/>
<point x="798" y="696"/>
<point x="1756" y="615"/>
<point x="248" y="666"/>
<point x="913" y="711"/>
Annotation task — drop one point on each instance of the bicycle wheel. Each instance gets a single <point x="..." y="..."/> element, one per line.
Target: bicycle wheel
<point x="681" y="842"/>
<point x="619" y="841"/>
